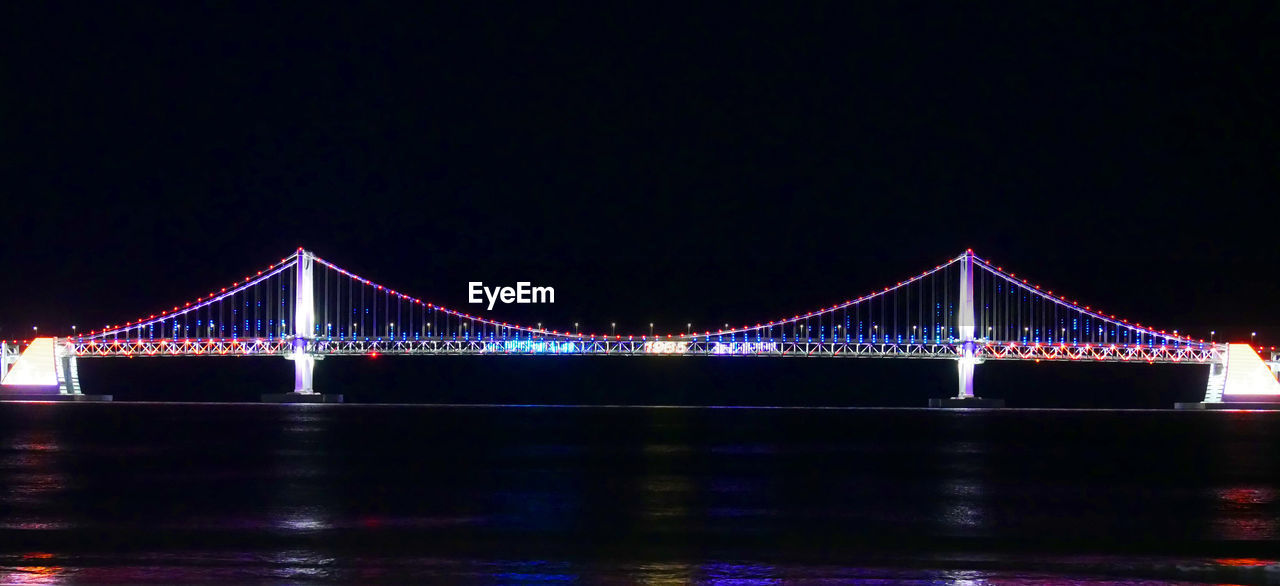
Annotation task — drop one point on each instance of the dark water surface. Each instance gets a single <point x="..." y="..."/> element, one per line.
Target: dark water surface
<point x="128" y="493"/>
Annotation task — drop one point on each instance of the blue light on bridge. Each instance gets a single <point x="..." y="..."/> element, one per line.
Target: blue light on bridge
<point x="532" y="347"/>
<point x="743" y="347"/>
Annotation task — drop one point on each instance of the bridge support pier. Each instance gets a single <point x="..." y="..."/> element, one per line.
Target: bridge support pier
<point x="304" y="365"/>
<point x="304" y="332"/>
<point x="968" y="359"/>
<point x="965" y="367"/>
<point x="965" y="399"/>
<point x="301" y="398"/>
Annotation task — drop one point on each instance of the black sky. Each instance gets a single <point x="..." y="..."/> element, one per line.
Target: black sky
<point x="653" y="163"/>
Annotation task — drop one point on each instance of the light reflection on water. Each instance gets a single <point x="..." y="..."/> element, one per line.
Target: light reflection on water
<point x="666" y="496"/>
<point x="318" y="494"/>
<point x="296" y="520"/>
<point x="34" y="481"/>
<point x="961" y="493"/>
<point x="301" y="564"/>
<point x="309" y="565"/>
<point x="1246" y="513"/>
<point x="299" y="504"/>
<point x="533" y="572"/>
<point x="38" y="568"/>
<point x="744" y="574"/>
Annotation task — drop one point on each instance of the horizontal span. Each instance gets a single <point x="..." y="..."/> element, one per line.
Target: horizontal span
<point x="334" y="347"/>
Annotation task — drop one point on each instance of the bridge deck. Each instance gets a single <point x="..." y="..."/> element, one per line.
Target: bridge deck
<point x="1066" y="352"/>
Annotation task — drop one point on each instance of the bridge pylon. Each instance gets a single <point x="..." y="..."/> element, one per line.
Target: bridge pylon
<point x="304" y="332"/>
<point x="968" y="345"/>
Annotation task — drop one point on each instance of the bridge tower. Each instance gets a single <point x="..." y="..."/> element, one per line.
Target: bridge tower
<point x="968" y="344"/>
<point x="304" y="323"/>
<point x="965" y="327"/>
<point x="304" y="332"/>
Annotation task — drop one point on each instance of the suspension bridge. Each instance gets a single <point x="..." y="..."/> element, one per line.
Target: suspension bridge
<point x="966" y="309"/>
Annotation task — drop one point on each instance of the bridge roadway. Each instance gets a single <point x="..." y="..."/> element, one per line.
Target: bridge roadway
<point x="700" y="346"/>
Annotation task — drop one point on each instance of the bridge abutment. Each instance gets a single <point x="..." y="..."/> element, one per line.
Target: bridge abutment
<point x="45" y="371"/>
<point x="1241" y="380"/>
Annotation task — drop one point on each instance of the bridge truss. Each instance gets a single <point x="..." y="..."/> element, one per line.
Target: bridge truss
<point x="633" y="347"/>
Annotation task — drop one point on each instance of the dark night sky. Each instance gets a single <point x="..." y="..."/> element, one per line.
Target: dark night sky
<point x="652" y="164"/>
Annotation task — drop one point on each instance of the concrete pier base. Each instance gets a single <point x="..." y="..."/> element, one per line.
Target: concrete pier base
<point x="966" y="403"/>
<point x="1231" y="406"/>
<point x="301" y="398"/>
<point x="27" y="397"/>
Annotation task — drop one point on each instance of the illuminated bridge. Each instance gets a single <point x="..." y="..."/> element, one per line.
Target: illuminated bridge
<point x="966" y="309"/>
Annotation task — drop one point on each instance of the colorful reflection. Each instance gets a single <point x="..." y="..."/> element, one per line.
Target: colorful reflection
<point x="37" y="568"/>
<point x="1245" y="513"/>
